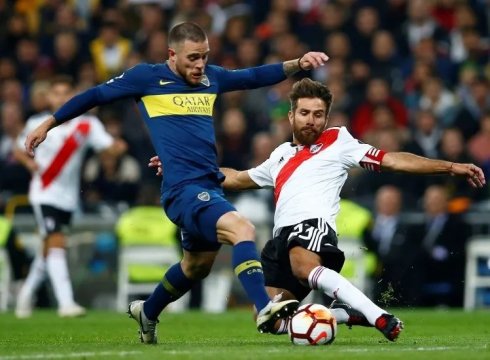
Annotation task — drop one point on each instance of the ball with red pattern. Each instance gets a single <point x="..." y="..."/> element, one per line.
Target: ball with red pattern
<point x="312" y="324"/>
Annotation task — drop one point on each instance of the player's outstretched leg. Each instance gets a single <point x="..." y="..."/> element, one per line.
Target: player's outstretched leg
<point x="274" y="310"/>
<point x="345" y="314"/>
<point x="148" y="328"/>
<point x="389" y="325"/>
<point x="338" y="287"/>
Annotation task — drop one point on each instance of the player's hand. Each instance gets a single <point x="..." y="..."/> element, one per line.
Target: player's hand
<point x="312" y="60"/>
<point x="35" y="138"/>
<point x="156" y="163"/>
<point x="474" y="175"/>
<point x="38" y="135"/>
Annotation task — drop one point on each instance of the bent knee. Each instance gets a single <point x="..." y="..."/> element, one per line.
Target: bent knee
<point x="196" y="270"/>
<point x="234" y="228"/>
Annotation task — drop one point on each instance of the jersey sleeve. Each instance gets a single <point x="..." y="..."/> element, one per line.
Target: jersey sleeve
<point x="131" y="83"/>
<point x="353" y="150"/>
<point x="261" y="174"/>
<point x="99" y="139"/>
<point x="251" y="78"/>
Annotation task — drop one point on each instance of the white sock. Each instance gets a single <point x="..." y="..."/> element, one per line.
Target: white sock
<point x="340" y="315"/>
<point x="37" y="273"/>
<point x="59" y="276"/>
<point x="338" y="287"/>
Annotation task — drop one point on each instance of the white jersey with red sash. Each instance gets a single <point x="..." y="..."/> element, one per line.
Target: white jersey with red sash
<point x="59" y="158"/>
<point x="307" y="179"/>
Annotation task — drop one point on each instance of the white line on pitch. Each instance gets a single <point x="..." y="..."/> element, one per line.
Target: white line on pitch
<point x="69" y="355"/>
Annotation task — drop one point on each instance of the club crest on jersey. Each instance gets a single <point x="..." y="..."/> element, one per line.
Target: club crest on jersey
<point x="315" y="148"/>
<point x="205" y="80"/>
<point x="204" y="196"/>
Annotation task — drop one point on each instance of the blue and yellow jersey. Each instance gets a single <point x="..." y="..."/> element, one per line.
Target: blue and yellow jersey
<point x="178" y="116"/>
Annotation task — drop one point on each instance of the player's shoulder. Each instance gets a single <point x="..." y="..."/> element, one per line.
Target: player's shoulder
<point x="143" y="71"/>
<point x="282" y="149"/>
<point x="342" y="131"/>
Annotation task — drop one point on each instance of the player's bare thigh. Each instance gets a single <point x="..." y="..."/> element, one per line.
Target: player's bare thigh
<point x="233" y="228"/>
<point x="302" y="262"/>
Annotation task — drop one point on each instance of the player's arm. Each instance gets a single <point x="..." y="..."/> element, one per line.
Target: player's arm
<point x="410" y="163"/>
<point x="237" y="180"/>
<point x="414" y="164"/>
<point x="266" y="75"/>
<point x="129" y="84"/>
<point x="116" y="149"/>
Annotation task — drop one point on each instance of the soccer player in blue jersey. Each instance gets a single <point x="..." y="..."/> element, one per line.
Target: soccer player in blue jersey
<point x="176" y="100"/>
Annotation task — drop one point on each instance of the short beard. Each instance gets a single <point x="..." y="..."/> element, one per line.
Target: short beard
<point x="306" y="139"/>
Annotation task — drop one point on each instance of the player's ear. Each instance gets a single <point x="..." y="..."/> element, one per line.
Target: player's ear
<point x="291" y="117"/>
<point x="171" y="53"/>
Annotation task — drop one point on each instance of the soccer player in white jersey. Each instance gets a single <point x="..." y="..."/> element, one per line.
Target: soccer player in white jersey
<point x="307" y="176"/>
<point x="54" y="194"/>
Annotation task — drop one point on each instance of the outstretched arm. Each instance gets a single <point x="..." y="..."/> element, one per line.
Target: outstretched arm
<point x="308" y="61"/>
<point x="237" y="180"/>
<point x="414" y="164"/>
<point x="269" y="74"/>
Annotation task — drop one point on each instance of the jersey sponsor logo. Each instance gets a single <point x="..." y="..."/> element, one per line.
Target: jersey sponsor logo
<point x="315" y="148"/>
<point x="205" y="80"/>
<point x="179" y="104"/>
<point x="327" y="138"/>
<point x="71" y="145"/>
<point x="163" y="82"/>
<point x="204" y="196"/>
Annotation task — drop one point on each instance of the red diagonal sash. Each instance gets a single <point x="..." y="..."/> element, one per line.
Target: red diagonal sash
<point x="71" y="144"/>
<point x="326" y="139"/>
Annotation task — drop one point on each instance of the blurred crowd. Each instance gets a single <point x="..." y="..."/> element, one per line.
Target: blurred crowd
<point x="408" y="75"/>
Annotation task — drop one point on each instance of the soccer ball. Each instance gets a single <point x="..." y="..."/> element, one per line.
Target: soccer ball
<point x="312" y="324"/>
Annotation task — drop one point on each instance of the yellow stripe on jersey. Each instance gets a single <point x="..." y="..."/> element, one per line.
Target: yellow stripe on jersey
<point x="179" y="104"/>
<point x="248" y="265"/>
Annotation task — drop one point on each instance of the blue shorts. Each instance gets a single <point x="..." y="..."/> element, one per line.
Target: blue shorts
<point x="196" y="208"/>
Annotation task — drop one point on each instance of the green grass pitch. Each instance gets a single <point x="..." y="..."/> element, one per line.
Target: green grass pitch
<point x="428" y="334"/>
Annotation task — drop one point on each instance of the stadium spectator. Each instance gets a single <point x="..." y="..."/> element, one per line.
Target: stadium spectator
<point x="307" y="176"/>
<point x="395" y="278"/>
<point x="479" y="144"/>
<point x="453" y="148"/>
<point x="420" y="26"/>
<point x="366" y="23"/>
<point x="377" y="93"/>
<point x="67" y="57"/>
<point x="54" y="195"/>
<point x="176" y="100"/>
<point x="440" y="262"/>
<point x="15" y="178"/>
<point x="385" y="61"/>
<point x="467" y="115"/>
<point x="109" y="51"/>
<point x="426" y="135"/>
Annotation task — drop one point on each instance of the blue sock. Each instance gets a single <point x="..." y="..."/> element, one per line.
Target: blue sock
<point x="173" y="285"/>
<point x="249" y="271"/>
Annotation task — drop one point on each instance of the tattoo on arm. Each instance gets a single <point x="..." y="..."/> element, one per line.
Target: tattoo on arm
<point x="291" y="67"/>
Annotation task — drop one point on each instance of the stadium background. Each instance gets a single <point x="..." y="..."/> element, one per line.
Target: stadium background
<point x="406" y="75"/>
